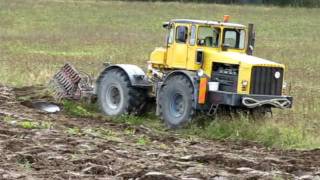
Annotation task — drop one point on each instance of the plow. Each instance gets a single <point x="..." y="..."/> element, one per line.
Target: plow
<point x="69" y="83"/>
<point x="203" y="67"/>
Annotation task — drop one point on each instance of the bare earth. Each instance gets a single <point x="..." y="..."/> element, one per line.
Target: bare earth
<point x="58" y="153"/>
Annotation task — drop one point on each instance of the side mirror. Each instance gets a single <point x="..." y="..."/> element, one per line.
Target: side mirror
<point x="225" y="47"/>
<point x="167" y="25"/>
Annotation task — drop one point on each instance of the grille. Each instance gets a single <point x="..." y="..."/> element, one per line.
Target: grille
<point x="263" y="81"/>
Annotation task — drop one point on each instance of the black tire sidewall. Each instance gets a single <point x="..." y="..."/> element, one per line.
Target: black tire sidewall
<point x="175" y="85"/>
<point x="114" y="78"/>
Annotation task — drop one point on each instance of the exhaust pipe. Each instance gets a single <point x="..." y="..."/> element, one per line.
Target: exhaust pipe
<point x="251" y="39"/>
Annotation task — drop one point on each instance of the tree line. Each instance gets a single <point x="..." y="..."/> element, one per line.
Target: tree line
<point x="293" y="3"/>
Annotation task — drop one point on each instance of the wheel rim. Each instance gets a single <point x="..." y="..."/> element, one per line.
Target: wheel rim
<point x="177" y="105"/>
<point x="113" y="96"/>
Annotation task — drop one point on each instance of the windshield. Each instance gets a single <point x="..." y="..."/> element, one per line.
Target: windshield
<point x="208" y="36"/>
<point x="234" y="38"/>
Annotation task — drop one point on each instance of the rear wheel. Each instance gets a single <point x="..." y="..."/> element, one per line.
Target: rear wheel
<point x="176" y="101"/>
<point x="116" y="96"/>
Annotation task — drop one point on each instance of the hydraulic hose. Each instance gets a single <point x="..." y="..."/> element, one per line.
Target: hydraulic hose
<point x="279" y="103"/>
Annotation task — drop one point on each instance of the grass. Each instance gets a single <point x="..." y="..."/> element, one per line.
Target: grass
<point x="27" y="124"/>
<point x="73" y="131"/>
<point x="38" y="37"/>
<point x="143" y="140"/>
<point x="79" y="109"/>
<point x="268" y="133"/>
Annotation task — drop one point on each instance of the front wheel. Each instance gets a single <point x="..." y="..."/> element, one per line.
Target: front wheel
<point x="176" y="101"/>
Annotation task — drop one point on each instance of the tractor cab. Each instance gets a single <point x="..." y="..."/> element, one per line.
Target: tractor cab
<point x="187" y="42"/>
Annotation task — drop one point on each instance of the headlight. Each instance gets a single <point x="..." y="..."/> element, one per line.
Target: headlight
<point x="200" y="72"/>
<point x="277" y="75"/>
<point x="244" y="83"/>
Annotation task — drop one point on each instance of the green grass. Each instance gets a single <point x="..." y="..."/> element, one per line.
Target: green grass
<point x="27" y="124"/>
<point x="38" y="37"/>
<point x="73" y="131"/>
<point x="143" y="140"/>
<point x="79" y="109"/>
<point x="268" y="133"/>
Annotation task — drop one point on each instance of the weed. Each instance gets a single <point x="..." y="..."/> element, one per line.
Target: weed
<point x="132" y="120"/>
<point x="27" y="124"/>
<point x="130" y="131"/>
<point x="103" y="134"/>
<point x="74" y="131"/>
<point x="9" y="119"/>
<point x="143" y="140"/>
<point x="26" y="165"/>
<point x="77" y="109"/>
<point x="163" y="146"/>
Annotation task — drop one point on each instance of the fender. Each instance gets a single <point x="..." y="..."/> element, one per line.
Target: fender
<point x="192" y="76"/>
<point x="135" y="74"/>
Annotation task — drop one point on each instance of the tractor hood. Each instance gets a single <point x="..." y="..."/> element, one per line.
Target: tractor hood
<point x="243" y="59"/>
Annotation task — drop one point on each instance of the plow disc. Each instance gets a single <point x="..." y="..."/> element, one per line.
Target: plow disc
<point x="69" y="83"/>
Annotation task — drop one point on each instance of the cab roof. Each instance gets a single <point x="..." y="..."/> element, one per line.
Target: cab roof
<point x="205" y="22"/>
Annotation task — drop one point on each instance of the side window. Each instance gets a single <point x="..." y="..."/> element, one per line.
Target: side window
<point x="235" y="38"/>
<point x="193" y="35"/>
<point x="231" y="38"/>
<point x="170" y="36"/>
<point x="241" y="41"/>
<point x="181" y="34"/>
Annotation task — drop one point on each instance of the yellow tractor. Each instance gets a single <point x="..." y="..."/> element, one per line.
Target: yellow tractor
<point x="203" y="66"/>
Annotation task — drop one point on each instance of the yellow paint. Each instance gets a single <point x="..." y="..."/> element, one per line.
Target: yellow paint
<point x="158" y="56"/>
<point x="183" y="56"/>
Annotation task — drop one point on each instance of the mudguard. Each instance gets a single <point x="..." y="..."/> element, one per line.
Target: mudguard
<point x="190" y="74"/>
<point x="135" y="74"/>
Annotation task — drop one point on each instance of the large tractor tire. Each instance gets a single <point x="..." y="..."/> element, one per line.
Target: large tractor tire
<point x="176" y="101"/>
<point x="116" y="96"/>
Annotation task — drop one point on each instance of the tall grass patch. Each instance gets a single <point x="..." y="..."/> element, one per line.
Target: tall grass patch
<point x="267" y="132"/>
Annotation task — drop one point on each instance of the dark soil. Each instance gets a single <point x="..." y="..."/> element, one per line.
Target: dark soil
<point x="64" y="147"/>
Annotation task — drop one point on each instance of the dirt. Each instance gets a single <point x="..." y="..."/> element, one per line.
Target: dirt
<point x="66" y="147"/>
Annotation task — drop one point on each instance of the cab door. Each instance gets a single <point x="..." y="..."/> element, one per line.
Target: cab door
<point x="177" y="52"/>
<point x="192" y="62"/>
